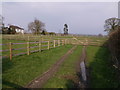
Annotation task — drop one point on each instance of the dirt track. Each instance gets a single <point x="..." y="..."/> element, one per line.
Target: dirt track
<point x="40" y="81"/>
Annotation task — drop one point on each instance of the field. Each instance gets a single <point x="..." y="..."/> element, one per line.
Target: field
<point x="13" y="45"/>
<point x="20" y="71"/>
<point x="56" y="66"/>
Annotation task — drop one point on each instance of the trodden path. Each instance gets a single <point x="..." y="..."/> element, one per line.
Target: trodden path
<point x="40" y="81"/>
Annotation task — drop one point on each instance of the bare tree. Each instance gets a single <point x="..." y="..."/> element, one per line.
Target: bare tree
<point x="1" y="22"/>
<point x="111" y="24"/>
<point x="36" y="26"/>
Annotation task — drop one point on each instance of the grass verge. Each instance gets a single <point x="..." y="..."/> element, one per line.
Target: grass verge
<point x="102" y="73"/>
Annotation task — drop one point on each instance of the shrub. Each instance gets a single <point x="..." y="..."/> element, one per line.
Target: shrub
<point x="114" y="46"/>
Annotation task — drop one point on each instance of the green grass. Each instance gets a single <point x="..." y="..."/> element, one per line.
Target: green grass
<point x="102" y="73"/>
<point x="6" y="47"/>
<point x="66" y="75"/>
<point x="0" y="74"/>
<point x="16" y="46"/>
<point x="0" y="63"/>
<point x="22" y="69"/>
<point x="33" y="38"/>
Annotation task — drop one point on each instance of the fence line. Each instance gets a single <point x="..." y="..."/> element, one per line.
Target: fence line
<point x="46" y="44"/>
<point x="43" y="45"/>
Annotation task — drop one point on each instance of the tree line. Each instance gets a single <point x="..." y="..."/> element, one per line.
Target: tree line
<point x="36" y="27"/>
<point x="112" y="26"/>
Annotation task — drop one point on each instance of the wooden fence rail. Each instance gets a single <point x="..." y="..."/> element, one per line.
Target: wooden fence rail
<point x="38" y="46"/>
<point x="41" y="45"/>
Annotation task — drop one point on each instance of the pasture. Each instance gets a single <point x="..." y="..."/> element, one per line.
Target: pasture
<point x="13" y="45"/>
<point x="22" y="69"/>
<point x="42" y="53"/>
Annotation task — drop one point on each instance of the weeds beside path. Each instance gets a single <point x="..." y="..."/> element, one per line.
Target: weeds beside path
<point x="102" y="72"/>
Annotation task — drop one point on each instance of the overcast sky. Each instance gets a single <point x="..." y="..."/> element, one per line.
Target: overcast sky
<point x="81" y="17"/>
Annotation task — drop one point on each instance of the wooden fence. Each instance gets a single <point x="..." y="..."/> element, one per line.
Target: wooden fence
<point x="38" y="46"/>
<point x="33" y="37"/>
<point x="41" y="45"/>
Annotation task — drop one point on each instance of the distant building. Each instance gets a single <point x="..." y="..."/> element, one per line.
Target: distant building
<point x="17" y="29"/>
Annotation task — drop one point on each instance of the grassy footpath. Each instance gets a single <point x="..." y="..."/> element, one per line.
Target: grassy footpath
<point x="22" y="69"/>
<point x="102" y="73"/>
<point x="66" y="75"/>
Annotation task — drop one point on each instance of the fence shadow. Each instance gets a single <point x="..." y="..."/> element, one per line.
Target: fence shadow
<point x="11" y="85"/>
<point x="6" y="64"/>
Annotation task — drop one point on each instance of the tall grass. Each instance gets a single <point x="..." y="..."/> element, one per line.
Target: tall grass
<point x="102" y="73"/>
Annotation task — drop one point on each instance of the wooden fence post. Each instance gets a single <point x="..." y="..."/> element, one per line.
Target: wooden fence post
<point x="42" y="39"/>
<point x="48" y="45"/>
<point x="28" y="38"/>
<point x="65" y="41"/>
<point x="86" y="42"/>
<point x="71" y="41"/>
<point x="59" y="43"/>
<point x="68" y="42"/>
<point x="54" y="44"/>
<point x="10" y="47"/>
<point x="39" y="46"/>
<point x="98" y="42"/>
<point x="62" y="42"/>
<point x="28" y="48"/>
